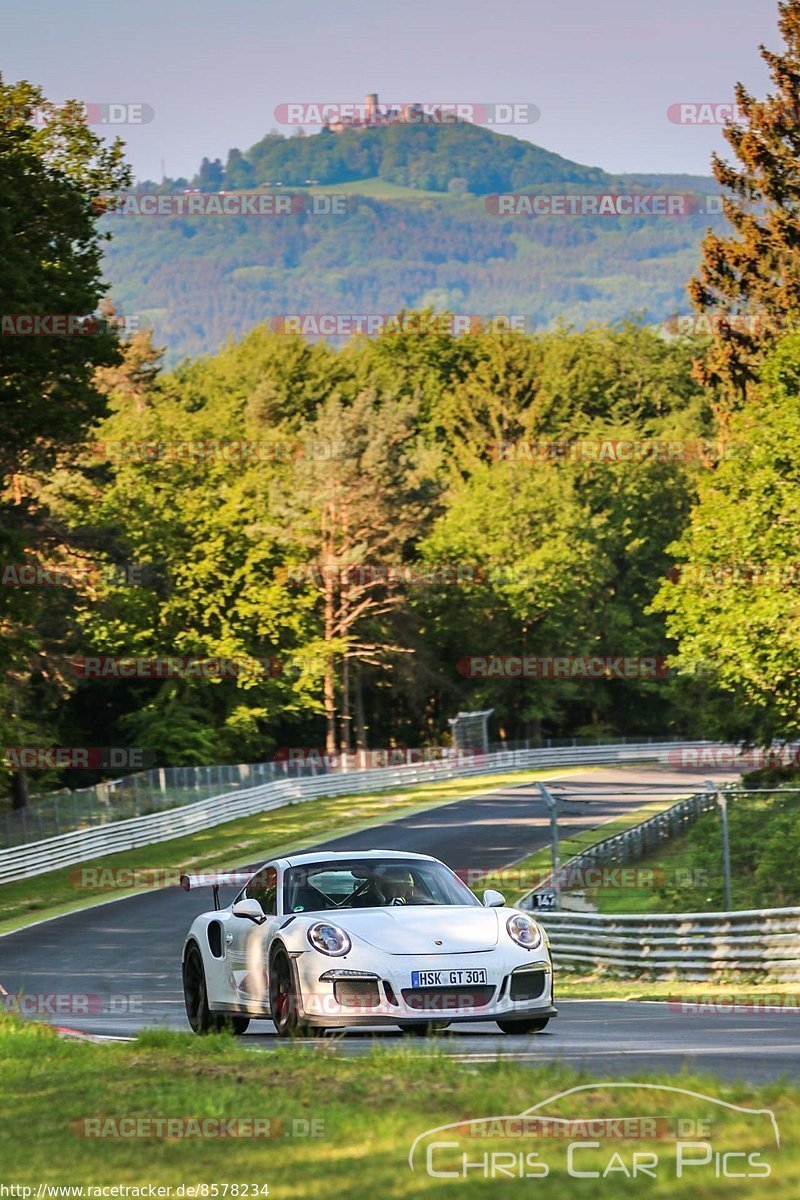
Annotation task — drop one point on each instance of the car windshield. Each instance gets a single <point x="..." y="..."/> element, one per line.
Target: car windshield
<point x="371" y="883"/>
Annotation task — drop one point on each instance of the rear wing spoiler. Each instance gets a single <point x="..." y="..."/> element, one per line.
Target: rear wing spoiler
<point x="215" y="880"/>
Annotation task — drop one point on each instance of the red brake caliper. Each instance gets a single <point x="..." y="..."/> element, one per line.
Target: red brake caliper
<point x="282" y="1002"/>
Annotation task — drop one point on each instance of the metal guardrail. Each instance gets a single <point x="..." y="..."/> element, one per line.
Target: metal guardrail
<point x="690" y="946"/>
<point x="163" y="788"/>
<point x="67" y="849"/>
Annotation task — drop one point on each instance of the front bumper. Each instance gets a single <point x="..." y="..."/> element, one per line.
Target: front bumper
<point x="336" y="994"/>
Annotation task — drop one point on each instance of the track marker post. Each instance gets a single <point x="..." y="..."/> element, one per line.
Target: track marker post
<point x="552" y="804"/>
<point x="722" y="801"/>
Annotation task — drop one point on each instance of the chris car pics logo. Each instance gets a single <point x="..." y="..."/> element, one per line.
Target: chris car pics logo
<point x="607" y="1131"/>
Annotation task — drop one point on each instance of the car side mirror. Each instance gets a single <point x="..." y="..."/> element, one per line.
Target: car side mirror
<point x="493" y="899"/>
<point x="250" y="909"/>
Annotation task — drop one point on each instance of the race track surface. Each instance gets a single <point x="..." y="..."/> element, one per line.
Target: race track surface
<point x="125" y="956"/>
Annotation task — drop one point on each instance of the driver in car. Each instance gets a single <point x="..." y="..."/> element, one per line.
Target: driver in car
<point x="398" y="887"/>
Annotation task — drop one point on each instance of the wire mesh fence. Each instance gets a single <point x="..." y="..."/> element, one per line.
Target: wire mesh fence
<point x="131" y="796"/>
<point x="164" y="788"/>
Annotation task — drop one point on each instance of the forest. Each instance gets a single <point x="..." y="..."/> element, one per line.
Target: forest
<point x="591" y="530"/>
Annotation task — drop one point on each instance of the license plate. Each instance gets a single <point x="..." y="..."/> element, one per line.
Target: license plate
<point x="448" y="978"/>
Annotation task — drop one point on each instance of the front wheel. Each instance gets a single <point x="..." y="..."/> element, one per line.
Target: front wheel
<point x="283" y="1001"/>
<point x="531" y="1026"/>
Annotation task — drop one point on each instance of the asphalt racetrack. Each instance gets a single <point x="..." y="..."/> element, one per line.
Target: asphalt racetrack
<point x="125" y="955"/>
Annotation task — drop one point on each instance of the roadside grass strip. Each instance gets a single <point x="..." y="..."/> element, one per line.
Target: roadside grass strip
<point x="731" y="990"/>
<point x="309" y="1123"/>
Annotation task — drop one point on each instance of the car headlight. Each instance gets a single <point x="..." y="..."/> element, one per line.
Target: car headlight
<point x="329" y="939"/>
<point x="524" y="931"/>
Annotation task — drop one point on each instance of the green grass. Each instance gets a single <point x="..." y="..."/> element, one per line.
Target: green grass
<point x="366" y="1110"/>
<point x="672" y="861"/>
<point x="247" y="839"/>
<point x="381" y="189"/>
<point x="686" y="873"/>
<point x="374" y="187"/>
<point x="734" y="989"/>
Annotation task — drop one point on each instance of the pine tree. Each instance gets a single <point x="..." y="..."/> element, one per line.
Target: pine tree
<point x="132" y="378"/>
<point x="750" y="281"/>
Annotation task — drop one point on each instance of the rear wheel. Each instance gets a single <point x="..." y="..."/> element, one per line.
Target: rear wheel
<point x="531" y="1026"/>
<point x="195" y="996"/>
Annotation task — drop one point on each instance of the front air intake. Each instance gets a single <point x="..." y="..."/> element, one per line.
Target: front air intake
<point x="447" y="999"/>
<point x="528" y="985"/>
<point x="356" y="993"/>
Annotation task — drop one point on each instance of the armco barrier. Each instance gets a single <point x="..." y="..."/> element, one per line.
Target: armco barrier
<point x="688" y="946"/>
<point x="156" y="790"/>
<point x="35" y="858"/>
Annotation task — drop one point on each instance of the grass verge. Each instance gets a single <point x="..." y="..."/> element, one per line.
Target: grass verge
<point x="671" y="863"/>
<point x="382" y="189"/>
<point x="366" y="1113"/>
<point x="738" y="989"/>
<point x="245" y="840"/>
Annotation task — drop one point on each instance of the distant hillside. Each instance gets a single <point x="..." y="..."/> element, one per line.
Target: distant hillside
<point x="416" y="234"/>
<point x="431" y="157"/>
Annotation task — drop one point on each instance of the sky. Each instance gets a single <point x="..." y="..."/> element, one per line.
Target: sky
<point x="603" y="73"/>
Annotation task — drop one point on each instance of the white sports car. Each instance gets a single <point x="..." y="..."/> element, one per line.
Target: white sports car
<point x="326" y="941"/>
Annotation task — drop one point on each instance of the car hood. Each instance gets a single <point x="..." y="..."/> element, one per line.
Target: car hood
<point x="416" y="930"/>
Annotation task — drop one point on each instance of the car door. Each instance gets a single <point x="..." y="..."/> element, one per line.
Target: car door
<point x="245" y="940"/>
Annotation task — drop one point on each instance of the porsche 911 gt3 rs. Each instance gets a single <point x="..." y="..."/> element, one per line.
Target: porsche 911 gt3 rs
<point x="327" y="941"/>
